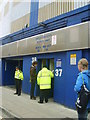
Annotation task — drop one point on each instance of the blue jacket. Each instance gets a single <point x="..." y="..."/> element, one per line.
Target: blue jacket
<point x="86" y="77"/>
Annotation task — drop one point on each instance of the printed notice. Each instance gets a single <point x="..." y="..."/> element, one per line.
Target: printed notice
<point x="58" y="63"/>
<point x="73" y="59"/>
<point x="54" y="39"/>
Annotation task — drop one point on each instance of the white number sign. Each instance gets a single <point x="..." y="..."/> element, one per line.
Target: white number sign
<point x="58" y="72"/>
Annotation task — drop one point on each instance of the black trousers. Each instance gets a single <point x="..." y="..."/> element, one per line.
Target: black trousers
<point x="18" y="86"/>
<point x="32" y="88"/>
<point x="44" y="93"/>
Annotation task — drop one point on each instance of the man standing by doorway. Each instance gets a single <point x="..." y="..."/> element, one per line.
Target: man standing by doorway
<point x="44" y="81"/>
<point x="33" y="77"/>
<point x="18" y="80"/>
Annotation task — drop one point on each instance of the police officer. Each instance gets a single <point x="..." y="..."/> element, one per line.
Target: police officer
<point x="18" y="80"/>
<point x="44" y="81"/>
<point x="33" y="77"/>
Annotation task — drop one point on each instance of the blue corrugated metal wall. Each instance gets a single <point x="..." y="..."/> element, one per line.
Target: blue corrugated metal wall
<point x="60" y="81"/>
<point x="27" y="61"/>
<point x="64" y="85"/>
<point x="71" y="76"/>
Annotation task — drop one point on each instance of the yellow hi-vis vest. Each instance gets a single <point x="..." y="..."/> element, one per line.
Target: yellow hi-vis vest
<point x="44" y="78"/>
<point x="18" y="75"/>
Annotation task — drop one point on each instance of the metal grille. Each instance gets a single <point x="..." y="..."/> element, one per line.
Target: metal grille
<point x="52" y="8"/>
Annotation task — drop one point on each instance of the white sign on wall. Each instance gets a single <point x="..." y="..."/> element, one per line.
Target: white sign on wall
<point x="58" y="72"/>
<point x="73" y="59"/>
<point x="54" y="40"/>
<point x="58" y="63"/>
<point x="34" y="59"/>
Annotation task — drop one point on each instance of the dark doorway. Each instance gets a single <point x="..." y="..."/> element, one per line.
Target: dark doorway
<point x="10" y="66"/>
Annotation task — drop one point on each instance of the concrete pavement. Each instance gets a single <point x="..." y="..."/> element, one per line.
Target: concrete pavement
<point x="23" y="107"/>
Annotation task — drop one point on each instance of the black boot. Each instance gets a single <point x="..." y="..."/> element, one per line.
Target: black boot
<point x="15" y="93"/>
<point x="30" y="97"/>
<point x="41" y="102"/>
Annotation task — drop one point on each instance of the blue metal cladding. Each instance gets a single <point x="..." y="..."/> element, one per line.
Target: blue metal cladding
<point x="71" y="76"/>
<point x="71" y="18"/>
<point x="60" y="81"/>
<point x="3" y="71"/>
<point x="27" y="62"/>
<point x="64" y="83"/>
<point x="34" y="13"/>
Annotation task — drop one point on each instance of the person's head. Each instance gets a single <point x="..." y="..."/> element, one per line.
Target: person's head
<point x="44" y="66"/>
<point x="17" y="68"/>
<point x="82" y="64"/>
<point x="34" y="63"/>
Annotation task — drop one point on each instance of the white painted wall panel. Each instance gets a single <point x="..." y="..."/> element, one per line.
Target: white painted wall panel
<point x="20" y="10"/>
<point x="14" y="12"/>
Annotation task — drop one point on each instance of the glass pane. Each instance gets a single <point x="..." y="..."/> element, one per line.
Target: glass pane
<point x="43" y="63"/>
<point x="51" y="65"/>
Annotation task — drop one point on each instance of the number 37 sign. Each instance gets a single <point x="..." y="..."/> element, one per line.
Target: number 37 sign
<point x="58" y="72"/>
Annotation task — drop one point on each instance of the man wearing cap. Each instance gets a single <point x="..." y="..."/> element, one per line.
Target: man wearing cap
<point x="33" y="77"/>
<point x="18" y="80"/>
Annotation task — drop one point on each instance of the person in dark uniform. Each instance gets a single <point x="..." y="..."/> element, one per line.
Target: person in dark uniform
<point x="33" y="77"/>
<point x="18" y="80"/>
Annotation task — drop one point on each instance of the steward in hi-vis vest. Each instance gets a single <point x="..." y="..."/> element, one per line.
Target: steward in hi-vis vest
<point x="18" y="80"/>
<point x="44" y="81"/>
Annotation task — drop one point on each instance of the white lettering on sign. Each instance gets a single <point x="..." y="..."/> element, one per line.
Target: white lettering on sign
<point x="58" y="72"/>
<point x="34" y="59"/>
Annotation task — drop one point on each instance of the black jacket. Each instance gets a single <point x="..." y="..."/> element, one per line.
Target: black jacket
<point x="33" y="74"/>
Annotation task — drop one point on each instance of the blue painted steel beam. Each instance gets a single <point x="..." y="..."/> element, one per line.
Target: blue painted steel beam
<point x="34" y="13"/>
